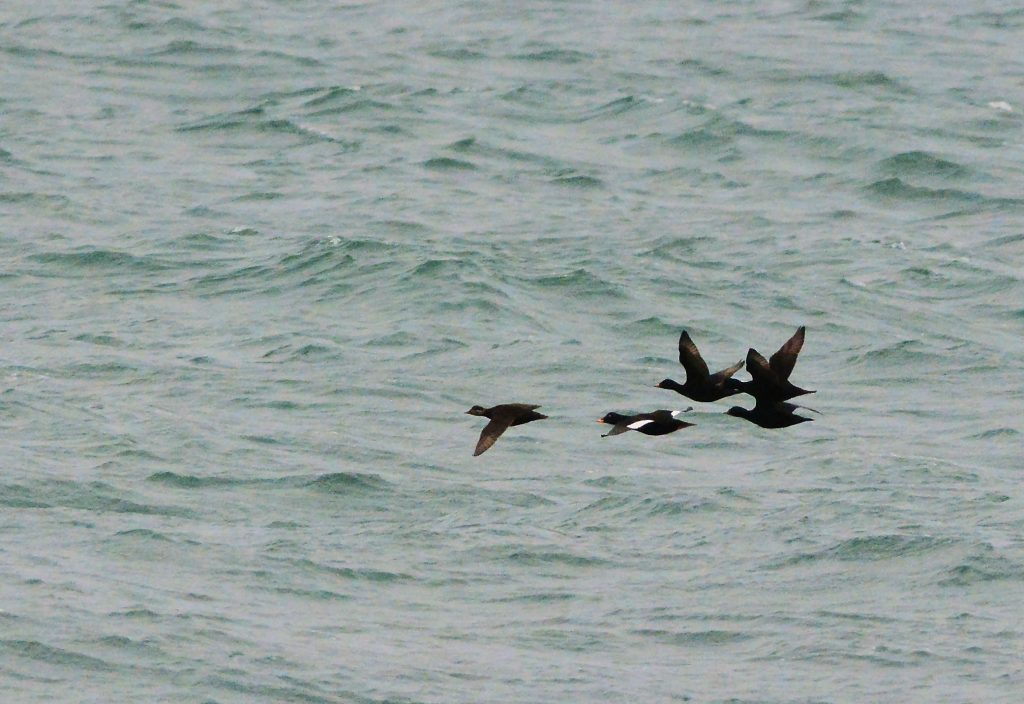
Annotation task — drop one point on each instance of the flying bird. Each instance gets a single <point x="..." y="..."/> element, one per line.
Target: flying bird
<point x="660" y="422"/>
<point x="769" y="379"/>
<point x="502" y="417"/>
<point x="771" y="414"/>
<point x="701" y="384"/>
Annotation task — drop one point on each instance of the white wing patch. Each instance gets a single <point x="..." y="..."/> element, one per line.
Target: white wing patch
<point x="639" y="424"/>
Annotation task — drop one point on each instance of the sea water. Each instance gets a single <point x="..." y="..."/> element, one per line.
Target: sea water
<point x="257" y="259"/>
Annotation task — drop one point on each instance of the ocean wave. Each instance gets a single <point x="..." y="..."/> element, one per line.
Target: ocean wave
<point x="448" y="164"/>
<point x="554" y="55"/>
<point x="871" y="548"/>
<point x="542" y="100"/>
<point x="357" y="106"/>
<point x="920" y="163"/>
<point x="850" y="80"/>
<point x="330" y="96"/>
<point x="35" y="650"/>
<point x="44" y="201"/>
<point x="899" y="354"/>
<point x="985" y="565"/>
<point x="579" y="282"/>
<point x="325" y="595"/>
<point x="553" y="557"/>
<point x="1015" y="239"/>
<point x="996" y="433"/>
<point x="332" y="483"/>
<point x="955" y="279"/>
<point x="677" y="248"/>
<point x="253" y="120"/>
<point x="144" y="534"/>
<point x="702" y="67"/>
<point x="613" y="108"/>
<point x="131" y="645"/>
<point x="691" y="638"/>
<point x="85" y="496"/>
<point x="361" y="574"/>
<point x="630" y="509"/>
<point x="653" y="327"/>
<point x="191" y="47"/>
<point x="285" y="689"/>
<point x="189" y="481"/>
<point x="457" y="53"/>
<point x="480" y="148"/>
<point x="993" y="19"/>
<point x="348" y="482"/>
<point x="314" y="266"/>
<point x="578" y="181"/>
<point x="142" y="614"/>
<point x="896" y="188"/>
<point x="536" y="598"/>
<point x="85" y="262"/>
<point x="845" y="16"/>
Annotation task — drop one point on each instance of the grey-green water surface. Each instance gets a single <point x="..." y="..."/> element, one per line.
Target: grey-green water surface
<point x="258" y="258"/>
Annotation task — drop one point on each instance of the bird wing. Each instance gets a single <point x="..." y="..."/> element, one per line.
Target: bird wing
<point x="636" y="425"/>
<point x="719" y="377"/>
<point x="520" y="406"/>
<point x="661" y="416"/>
<point x="489" y="435"/>
<point x="689" y="357"/>
<point x="617" y="430"/>
<point x="783" y="361"/>
<point x="758" y="367"/>
<point x="767" y="407"/>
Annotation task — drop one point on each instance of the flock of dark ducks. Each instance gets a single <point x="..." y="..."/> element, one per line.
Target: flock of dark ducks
<point x="769" y="385"/>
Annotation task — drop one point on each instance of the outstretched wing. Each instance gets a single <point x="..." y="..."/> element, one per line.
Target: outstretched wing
<point x="661" y="416"/>
<point x="616" y="430"/>
<point x="783" y="361"/>
<point x="512" y="407"/>
<point x="690" y="358"/>
<point x="719" y="377"/>
<point x="489" y="435"/>
<point x="758" y="368"/>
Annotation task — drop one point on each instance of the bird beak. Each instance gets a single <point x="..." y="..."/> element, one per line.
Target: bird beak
<point x="600" y="420"/>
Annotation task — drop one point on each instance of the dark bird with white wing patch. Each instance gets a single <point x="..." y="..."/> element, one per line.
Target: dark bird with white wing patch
<point x="659" y="422"/>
